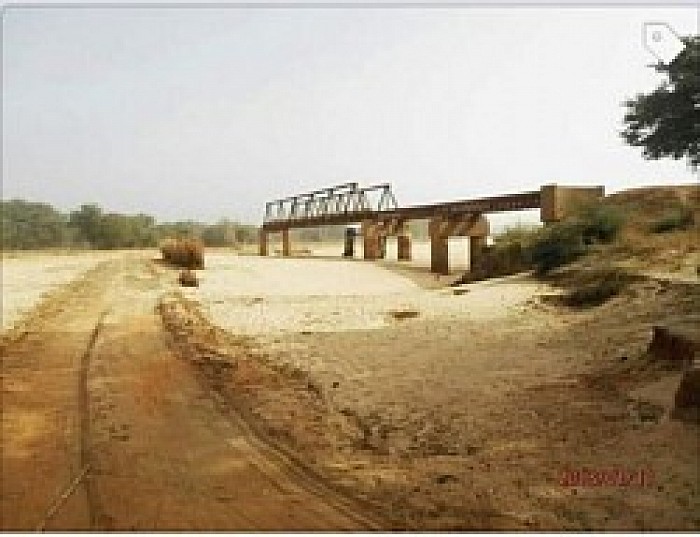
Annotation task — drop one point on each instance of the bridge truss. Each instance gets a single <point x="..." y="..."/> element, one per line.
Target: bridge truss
<point x="345" y="199"/>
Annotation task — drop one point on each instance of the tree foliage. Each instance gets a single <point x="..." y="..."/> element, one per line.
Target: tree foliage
<point x="27" y="225"/>
<point x="666" y="122"/>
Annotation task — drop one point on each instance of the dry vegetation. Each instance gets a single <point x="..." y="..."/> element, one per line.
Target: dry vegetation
<point x="661" y="228"/>
<point x="595" y="253"/>
<point x="184" y="253"/>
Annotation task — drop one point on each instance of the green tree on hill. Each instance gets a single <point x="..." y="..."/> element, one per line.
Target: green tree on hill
<point x="666" y="122"/>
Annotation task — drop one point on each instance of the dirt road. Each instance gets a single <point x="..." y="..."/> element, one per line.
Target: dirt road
<point x="104" y="427"/>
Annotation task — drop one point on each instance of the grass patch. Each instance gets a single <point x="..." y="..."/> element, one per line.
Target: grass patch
<point x="676" y="219"/>
<point x="593" y="288"/>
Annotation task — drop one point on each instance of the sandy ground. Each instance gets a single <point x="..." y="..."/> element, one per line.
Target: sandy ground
<point x="106" y="427"/>
<point x="458" y="251"/>
<point x="29" y="277"/>
<point x="253" y="295"/>
<point x="435" y="409"/>
<point x="470" y="413"/>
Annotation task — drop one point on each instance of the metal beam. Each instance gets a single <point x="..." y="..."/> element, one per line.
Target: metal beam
<point x="356" y="207"/>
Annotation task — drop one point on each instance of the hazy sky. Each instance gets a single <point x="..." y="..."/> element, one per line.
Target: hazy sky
<point x="208" y="113"/>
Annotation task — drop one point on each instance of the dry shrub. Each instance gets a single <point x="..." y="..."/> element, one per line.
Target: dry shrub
<point x="596" y="287"/>
<point x="185" y="253"/>
<point x="188" y="278"/>
<point x="676" y="219"/>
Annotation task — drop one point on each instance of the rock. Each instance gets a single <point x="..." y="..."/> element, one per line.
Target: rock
<point x="677" y="344"/>
<point x="687" y="400"/>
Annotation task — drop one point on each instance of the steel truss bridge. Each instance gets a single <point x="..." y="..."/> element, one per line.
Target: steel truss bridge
<point x="376" y="209"/>
<point x="349" y="203"/>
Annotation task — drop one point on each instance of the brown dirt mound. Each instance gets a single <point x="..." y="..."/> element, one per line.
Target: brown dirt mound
<point x="644" y="210"/>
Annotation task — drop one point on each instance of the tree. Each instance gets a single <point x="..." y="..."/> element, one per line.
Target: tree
<point x="87" y="221"/>
<point x="223" y="233"/>
<point x="666" y="122"/>
<point x="28" y="225"/>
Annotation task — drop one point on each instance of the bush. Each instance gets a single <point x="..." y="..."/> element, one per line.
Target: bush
<point x="556" y="246"/>
<point x="675" y="219"/>
<point x="185" y="253"/>
<point x="520" y="235"/>
<point x="564" y="242"/>
<point x="600" y="223"/>
<point x="597" y="288"/>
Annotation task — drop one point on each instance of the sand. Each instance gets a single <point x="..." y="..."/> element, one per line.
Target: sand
<point x="472" y="410"/>
<point x="268" y="296"/>
<point x="465" y="411"/>
<point x="27" y="278"/>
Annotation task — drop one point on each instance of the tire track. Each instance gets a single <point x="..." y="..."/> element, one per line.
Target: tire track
<point x="86" y="463"/>
<point x="269" y="453"/>
<point x="46" y="426"/>
<point x="184" y="464"/>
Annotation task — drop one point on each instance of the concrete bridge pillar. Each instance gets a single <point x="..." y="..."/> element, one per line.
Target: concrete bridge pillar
<point x="262" y="242"/>
<point x="403" y="245"/>
<point x="558" y="202"/>
<point x="286" y="243"/>
<point x="476" y="249"/>
<point x="474" y="226"/>
<point x="371" y="239"/>
<point x="439" y="251"/>
<point x="349" y="247"/>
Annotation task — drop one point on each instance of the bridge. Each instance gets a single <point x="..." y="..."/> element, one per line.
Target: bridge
<point x="377" y="212"/>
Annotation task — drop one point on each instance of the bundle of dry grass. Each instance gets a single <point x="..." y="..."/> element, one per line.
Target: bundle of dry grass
<point x="188" y="278"/>
<point x="185" y="253"/>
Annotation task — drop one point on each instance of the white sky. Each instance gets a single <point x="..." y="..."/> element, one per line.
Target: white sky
<point x="208" y="113"/>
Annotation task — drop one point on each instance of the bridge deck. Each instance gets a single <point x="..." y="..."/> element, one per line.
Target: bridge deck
<point x="511" y="202"/>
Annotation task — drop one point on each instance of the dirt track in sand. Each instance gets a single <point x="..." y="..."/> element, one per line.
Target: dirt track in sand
<point x="126" y="407"/>
<point x="105" y="427"/>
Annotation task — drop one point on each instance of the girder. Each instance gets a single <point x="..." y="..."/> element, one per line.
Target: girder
<point x="345" y="199"/>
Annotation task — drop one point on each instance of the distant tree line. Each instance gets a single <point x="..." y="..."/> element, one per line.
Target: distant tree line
<point x="29" y="225"/>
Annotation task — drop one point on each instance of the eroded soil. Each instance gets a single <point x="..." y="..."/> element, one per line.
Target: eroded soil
<point x="105" y="427"/>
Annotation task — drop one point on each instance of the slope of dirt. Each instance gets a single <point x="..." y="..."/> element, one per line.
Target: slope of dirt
<point x="464" y="424"/>
<point x="638" y="247"/>
<point x="105" y="428"/>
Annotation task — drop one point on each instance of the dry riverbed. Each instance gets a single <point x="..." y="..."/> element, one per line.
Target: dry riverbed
<point x="379" y="395"/>
<point x="467" y="407"/>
